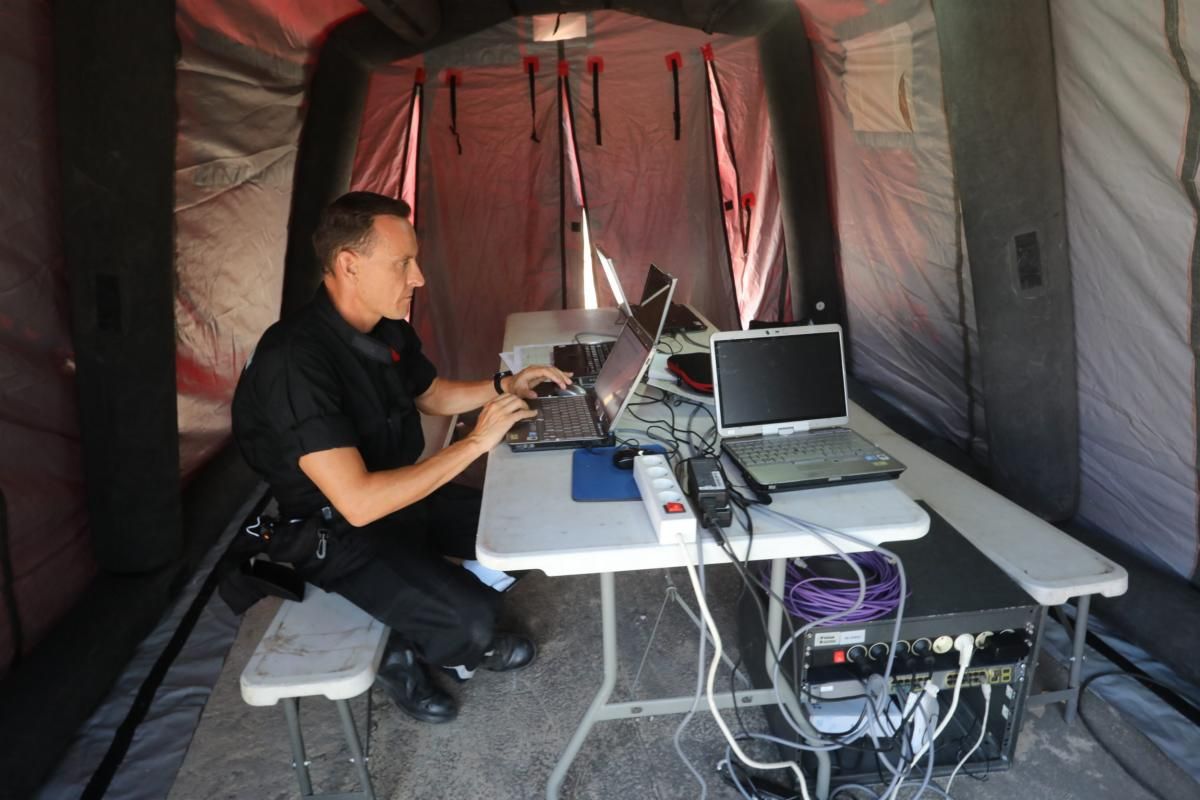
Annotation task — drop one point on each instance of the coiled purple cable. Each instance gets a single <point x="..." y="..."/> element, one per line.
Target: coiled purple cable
<point x="811" y="596"/>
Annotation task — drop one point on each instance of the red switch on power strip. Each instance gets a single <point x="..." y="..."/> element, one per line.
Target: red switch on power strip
<point x="674" y="508"/>
<point x="839" y="656"/>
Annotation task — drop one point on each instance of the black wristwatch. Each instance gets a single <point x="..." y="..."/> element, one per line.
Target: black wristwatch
<point x="499" y="376"/>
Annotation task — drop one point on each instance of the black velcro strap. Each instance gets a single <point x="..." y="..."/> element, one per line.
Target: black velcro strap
<point x="454" y="111"/>
<point x="596" y="99"/>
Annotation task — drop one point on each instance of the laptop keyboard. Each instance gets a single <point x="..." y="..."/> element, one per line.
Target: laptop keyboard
<point x="564" y="418"/>
<point x="806" y="447"/>
<point x="594" y="355"/>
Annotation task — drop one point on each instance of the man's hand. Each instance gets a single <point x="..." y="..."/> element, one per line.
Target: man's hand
<point x="523" y="382"/>
<point x="497" y="416"/>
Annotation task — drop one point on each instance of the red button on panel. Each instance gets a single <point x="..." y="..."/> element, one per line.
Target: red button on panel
<point x="673" y="508"/>
<point x="839" y="656"/>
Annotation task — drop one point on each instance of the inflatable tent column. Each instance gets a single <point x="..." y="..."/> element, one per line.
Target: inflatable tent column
<point x="1002" y="110"/>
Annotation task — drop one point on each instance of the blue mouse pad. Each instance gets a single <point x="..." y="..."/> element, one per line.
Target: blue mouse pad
<point x="593" y="476"/>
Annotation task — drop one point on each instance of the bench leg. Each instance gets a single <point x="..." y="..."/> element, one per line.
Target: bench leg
<point x="291" y="710"/>
<point x="1082" y="608"/>
<point x="356" y="752"/>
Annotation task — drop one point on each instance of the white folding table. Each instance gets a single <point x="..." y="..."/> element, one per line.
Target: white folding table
<point x="529" y="521"/>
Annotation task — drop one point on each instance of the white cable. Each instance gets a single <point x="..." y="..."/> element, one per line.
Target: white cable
<point x="965" y="644"/>
<point x="712" y="674"/>
<point x="987" y="704"/>
<point x="699" y="689"/>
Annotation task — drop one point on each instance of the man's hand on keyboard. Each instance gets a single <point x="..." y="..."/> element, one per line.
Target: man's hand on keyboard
<point x="497" y="416"/>
<point x="522" y="384"/>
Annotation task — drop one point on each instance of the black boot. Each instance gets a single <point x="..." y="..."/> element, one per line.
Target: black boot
<point x="507" y="652"/>
<point x="407" y="681"/>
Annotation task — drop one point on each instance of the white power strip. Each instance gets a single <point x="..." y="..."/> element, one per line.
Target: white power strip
<point x="670" y="513"/>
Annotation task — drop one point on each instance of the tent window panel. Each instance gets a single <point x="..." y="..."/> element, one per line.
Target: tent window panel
<point x="878" y="81"/>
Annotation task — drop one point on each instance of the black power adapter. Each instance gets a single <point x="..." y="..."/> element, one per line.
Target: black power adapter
<point x="708" y="492"/>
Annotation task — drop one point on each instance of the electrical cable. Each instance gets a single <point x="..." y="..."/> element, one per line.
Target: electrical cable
<point x="712" y="673"/>
<point x="699" y="686"/>
<point x="965" y="645"/>
<point x="823" y="534"/>
<point x="986" y="688"/>
<point x="1121" y="762"/>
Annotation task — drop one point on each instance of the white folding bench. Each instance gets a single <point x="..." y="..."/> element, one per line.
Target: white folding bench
<point x="323" y="646"/>
<point x="1049" y="565"/>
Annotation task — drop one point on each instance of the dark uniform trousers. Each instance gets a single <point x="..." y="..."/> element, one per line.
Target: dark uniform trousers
<point x="395" y="571"/>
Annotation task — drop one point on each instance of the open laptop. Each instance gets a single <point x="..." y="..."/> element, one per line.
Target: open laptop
<point x="585" y="420"/>
<point x="782" y="406"/>
<point x="680" y="318"/>
<point x="584" y="359"/>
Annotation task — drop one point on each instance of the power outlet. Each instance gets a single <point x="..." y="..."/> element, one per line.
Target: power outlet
<point x="670" y="514"/>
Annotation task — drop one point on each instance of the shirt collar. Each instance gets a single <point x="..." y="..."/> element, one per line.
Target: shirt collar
<point x="365" y="344"/>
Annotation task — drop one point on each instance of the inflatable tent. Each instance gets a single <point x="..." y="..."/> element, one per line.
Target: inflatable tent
<point x="996" y="200"/>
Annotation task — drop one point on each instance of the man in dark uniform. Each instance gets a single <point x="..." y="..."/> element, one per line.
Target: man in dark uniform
<point x="327" y="412"/>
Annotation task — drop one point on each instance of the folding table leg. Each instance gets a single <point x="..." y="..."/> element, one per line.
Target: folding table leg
<point x="609" y="629"/>
<point x="291" y="710"/>
<point x="1081" y="623"/>
<point x="360" y="762"/>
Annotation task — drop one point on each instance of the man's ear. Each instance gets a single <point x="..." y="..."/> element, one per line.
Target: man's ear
<point x="345" y="263"/>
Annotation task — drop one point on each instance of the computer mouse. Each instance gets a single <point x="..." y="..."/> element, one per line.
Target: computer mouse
<point x="623" y="458"/>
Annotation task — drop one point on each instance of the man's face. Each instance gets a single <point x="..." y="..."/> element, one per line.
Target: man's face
<point x="388" y="271"/>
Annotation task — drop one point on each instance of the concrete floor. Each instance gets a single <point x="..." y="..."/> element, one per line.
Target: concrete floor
<point x="513" y="726"/>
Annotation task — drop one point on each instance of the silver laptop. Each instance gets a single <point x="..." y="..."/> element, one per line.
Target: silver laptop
<point x="584" y="359"/>
<point x="782" y="409"/>
<point x="585" y="420"/>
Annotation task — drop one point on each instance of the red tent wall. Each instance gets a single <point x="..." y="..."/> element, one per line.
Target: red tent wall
<point x="489" y="218"/>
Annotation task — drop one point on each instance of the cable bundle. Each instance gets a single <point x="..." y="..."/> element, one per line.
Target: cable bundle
<point x="810" y="595"/>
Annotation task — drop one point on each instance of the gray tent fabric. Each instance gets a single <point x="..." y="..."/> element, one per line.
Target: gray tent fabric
<point x="1131" y="231"/>
<point x="905" y="277"/>
<point x="41" y="474"/>
<point x="241" y="81"/>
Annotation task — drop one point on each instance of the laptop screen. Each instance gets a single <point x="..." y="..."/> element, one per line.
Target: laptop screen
<point x="614" y="282"/>
<point x="656" y="281"/>
<point x="790" y="376"/>
<point x="622" y="370"/>
<point x="651" y="313"/>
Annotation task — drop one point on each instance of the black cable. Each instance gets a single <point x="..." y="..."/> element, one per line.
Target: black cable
<point x="1122" y="763"/>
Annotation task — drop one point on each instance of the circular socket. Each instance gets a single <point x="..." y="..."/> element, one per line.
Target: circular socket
<point x="878" y="651"/>
<point x="658" y="472"/>
<point x="652" y="461"/>
<point x="901" y="648"/>
<point x="663" y="484"/>
<point x="670" y="497"/>
<point x="982" y="639"/>
<point x="922" y="647"/>
<point x="857" y="653"/>
<point x="942" y="644"/>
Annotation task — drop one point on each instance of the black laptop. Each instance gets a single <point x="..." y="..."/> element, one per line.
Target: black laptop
<point x="585" y="420"/>
<point x="584" y="359"/>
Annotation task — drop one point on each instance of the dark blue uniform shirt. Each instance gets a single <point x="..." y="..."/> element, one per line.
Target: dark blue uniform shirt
<point x="315" y="383"/>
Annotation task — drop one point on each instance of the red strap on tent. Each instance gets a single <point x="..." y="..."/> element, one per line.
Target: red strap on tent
<point x="454" y="78"/>
<point x="595" y="65"/>
<point x="707" y="51"/>
<point x="564" y="68"/>
<point x="532" y="65"/>
<point x="674" y="62"/>
<point x="420" y="76"/>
